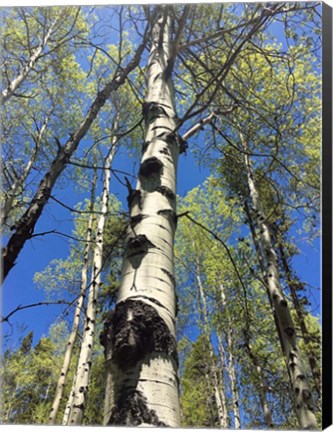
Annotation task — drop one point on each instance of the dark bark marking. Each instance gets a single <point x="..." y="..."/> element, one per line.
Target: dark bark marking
<point x="131" y="410"/>
<point x="150" y="166"/>
<point x="166" y="191"/>
<point x="137" y="248"/>
<point x="168" y="214"/>
<point x="170" y="276"/>
<point x="289" y="331"/>
<point x="165" y="151"/>
<point x="135" y="220"/>
<point x="306" y="394"/>
<point x="153" y="109"/>
<point x="136" y="330"/>
<point x="284" y="303"/>
<point x="134" y="197"/>
<point x="175" y="139"/>
<point x="153" y="300"/>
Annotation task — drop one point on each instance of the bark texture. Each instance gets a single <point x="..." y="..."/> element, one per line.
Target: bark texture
<point x="303" y="402"/>
<point x="140" y="334"/>
<point x="25" y="226"/>
<point x="293" y="285"/>
<point x="231" y="366"/>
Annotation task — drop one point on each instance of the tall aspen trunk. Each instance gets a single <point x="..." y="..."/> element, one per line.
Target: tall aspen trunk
<point x="31" y="63"/>
<point x="300" y="316"/>
<point x="231" y="366"/>
<point x="18" y="185"/>
<point x="25" y="226"/>
<point x="140" y="331"/>
<point x="77" y="314"/>
<point x="79" y="391"/>
<point x="220" y="398"/>
<point x="302" y="395"/>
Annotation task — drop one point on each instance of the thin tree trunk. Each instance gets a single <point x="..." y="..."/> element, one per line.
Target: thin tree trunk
<point x="141" y="329"/>
<point x="300" y="316"/>
<point x="80" y="389"/>
<point x="77" y="314"/>
<point x="220" y="398"/>
<point x="231" y="366"/>
<point x="17" y="186"/>
<point x="31" y="63"/>
<point x="302" y="395"/>
<point x="25" y="226"/>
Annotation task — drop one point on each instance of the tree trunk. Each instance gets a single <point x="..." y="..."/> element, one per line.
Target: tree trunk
<point x="77" y="314"/>
<point x="80" y="388"/>
<point x="141" y="329"/>
<point x="231" y="366"/>
<point x="18" y="185"/>
<point x="31" y="63"/>
<point x="292" y="283"/>
<point x="25" y="226"/>
<point x="261" y="385"/>
<point x="302" y="395"/>
<point x="220" y="398"/>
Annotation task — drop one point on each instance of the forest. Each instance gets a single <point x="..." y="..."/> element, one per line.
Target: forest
<point x="160" y="213"/>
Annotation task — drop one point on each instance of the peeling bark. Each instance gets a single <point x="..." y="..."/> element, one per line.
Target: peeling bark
<point x="141" y="335"/>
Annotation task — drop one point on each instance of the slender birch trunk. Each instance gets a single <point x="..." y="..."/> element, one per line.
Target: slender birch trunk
<point x="80" y="389"/>
<point x="141" y="329"/>
<point x="220" y="398"/>
<point x="31" y="63"/>
<point x="231" y="366"/>
<point x="25" y="226"/>
<point x="77" y="314"/>
<point x="300" y="316"/>
<point x="18" y="185"/>
<point x="302" y="395"/>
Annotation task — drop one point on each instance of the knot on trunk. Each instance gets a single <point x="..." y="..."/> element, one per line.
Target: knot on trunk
<point x="136" y="330"/>
<point x="131" y="409"/>
<point x="150" y="166"/>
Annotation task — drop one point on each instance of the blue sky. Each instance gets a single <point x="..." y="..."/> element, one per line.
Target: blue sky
<point x="19" y="289"/>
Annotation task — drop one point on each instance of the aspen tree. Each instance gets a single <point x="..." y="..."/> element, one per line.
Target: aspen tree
<point x="302" y="394"/>
<point x="79" y="392"/>
<point x="141" y="329"/>
<point x="231" y="367"/>
<point x="77" y="313"/>
<point x="13" y="86"/>
<point x="219" y="394"/>
<point x="24" y="227"/>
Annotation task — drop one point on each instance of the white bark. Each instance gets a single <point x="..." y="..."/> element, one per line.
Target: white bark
<point x="77" y="314"/>
<point x="80" y="388"/>
<point x="220" y="398"/>
<point x="31" y="63"/>
<point x="302" y="394"/>
<point x="142" y="331"/>
<point x="231" y="367"/>
<point x="25" y="226"/>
